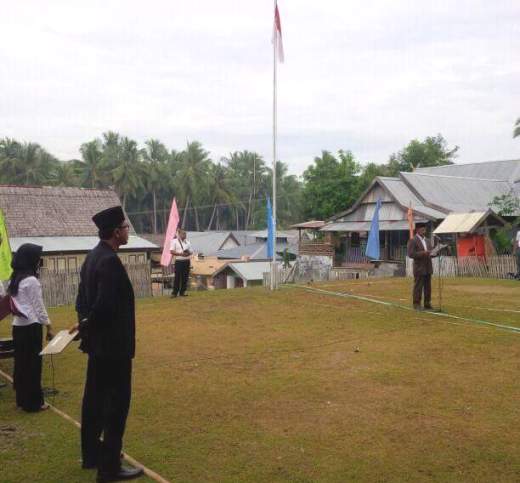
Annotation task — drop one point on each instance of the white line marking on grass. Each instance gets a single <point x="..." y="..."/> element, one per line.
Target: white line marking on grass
<point x="147" y="471"/>
<point x="404" y="307"/>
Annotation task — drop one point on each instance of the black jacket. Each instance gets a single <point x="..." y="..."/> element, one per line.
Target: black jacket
<point x="106" y="299"/>
<point x="422" y="261"/>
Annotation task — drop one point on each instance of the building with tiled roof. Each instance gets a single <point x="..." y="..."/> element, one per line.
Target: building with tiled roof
<point x="60" y="219"/>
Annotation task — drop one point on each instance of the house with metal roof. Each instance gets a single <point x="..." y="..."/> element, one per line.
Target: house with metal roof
<point x="60" y="220"/>
<point x="431" y="193"/>
<point x="241" y="274"/>
<point x="205" y="243"/>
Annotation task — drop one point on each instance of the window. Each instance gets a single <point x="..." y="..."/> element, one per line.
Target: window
<point x="61" y="264"/>
<point x="72" y="263"/>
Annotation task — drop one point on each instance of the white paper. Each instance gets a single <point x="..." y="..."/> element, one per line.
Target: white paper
<point x="436" y="250"/>
<point x="61" y="340"/>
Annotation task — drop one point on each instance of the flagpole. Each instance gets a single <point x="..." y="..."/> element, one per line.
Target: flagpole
<point x="273" y="261"/>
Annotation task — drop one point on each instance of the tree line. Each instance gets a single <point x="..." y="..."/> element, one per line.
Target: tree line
<point x="212" y="195"/>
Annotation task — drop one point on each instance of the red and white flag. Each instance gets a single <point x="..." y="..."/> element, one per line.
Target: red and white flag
<point x="173" y="222"/>
<point x="277" y="35"/>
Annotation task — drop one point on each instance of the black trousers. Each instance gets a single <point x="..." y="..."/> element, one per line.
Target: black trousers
<point x="422" y="283"/>
<point x="106" y="401"/>
<point x="182" y="273"/>
<point x="518" y="262"/>
<point x="28" y="366"/>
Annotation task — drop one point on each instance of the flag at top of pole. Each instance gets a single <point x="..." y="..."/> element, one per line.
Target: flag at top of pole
<point x="277" y="34"/>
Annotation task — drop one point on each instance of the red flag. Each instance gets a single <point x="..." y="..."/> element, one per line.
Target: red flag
<point x="409" y="215"/>
<point x="173" y="222"/>
<point x="277" y="35"/>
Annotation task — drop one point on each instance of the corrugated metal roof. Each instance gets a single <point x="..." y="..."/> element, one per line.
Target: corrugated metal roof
<point x="508" y="170"/>
<point x="207" y="242"/>
<point x="456" y="194"/>
<point x="255" y="251"/>
<point x="460" y="222"/>
<point x="309" y="224"/>
<point x="365" y="226"/>
<point x="251" y="270"/>
<point x="466" y="222"/>
<point x="52" y="244"/>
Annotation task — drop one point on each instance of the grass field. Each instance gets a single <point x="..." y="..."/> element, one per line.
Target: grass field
<point x="246" y="385"/>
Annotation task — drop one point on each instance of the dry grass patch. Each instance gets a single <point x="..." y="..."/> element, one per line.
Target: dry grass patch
<point x="246" y="385"/>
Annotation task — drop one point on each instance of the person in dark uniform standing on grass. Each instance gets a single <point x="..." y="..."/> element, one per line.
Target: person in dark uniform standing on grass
<point x="419" y="249"/>
<point x="106" y="313"/>
<point x="181" y="250"/>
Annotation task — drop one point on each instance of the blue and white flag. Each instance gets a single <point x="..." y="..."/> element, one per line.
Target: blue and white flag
<point x="373" y="251"/>
<point x="270" y="230"/>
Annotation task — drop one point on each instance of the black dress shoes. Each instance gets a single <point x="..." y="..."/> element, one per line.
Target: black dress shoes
<point x="124" y="473"/>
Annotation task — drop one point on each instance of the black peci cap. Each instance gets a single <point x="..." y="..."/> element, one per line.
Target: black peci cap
<point x="109" y="218"/>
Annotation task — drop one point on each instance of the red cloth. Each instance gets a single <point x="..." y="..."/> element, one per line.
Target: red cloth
<point x="471" y="246"/>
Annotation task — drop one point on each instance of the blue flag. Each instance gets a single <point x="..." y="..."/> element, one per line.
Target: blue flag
<point x="373" y="251"/>
<point x="270" y="230"/>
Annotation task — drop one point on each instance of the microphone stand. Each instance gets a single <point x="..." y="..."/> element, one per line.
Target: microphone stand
<point x="440" y="282"/>
<point x="440" y="274"/>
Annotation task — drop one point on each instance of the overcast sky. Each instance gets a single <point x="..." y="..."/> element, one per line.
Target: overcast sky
<point x="367" y="75"/>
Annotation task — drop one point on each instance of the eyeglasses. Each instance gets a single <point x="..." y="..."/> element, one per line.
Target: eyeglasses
<point x="125" y="226"/>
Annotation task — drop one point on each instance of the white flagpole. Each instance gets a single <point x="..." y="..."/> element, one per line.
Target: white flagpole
<point x="273" y="261"/>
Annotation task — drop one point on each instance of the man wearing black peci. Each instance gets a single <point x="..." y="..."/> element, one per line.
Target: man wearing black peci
<point x="419" y="249"/>
<point x="105" y="306"/>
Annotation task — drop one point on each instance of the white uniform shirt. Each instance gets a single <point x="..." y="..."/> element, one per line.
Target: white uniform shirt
<point x="518" y="239"/>
<point x="29" y="301"/>
<point x="179" y="246"/>
<point x="423" y="241"/>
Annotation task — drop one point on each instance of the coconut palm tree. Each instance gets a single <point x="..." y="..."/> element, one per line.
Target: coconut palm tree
<point x="9" y="162"/>
<point x="155" y="156"/>
<point x="36" y="163"/>
<point x="91" y="164"/>
<point x="65" y="174"/>
<point x="219" y="190"/>
<point x="127" y="175"/>
<point x="191" y="177"/>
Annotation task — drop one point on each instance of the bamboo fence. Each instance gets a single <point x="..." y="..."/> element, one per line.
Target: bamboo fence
<point x="498" y="266"/>
<point x="61" y="287"/>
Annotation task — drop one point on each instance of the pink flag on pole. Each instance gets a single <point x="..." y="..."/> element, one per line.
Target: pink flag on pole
<point x="173" y="222"/>
<point x="277" y="35"/>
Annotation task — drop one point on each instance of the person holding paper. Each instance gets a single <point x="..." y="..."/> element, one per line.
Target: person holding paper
<point x="106" y="311"/>
<point x="420" y="250"/>
<point x="181" y="250"/>
<point x="26" y="292"/>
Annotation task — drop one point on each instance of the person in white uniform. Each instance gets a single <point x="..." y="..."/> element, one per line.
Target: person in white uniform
<point x="182" y="251"/>
<point x="25" y="289"/>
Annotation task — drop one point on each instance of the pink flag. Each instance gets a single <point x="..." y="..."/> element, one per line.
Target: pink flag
<point x="173" y="222"/>
<point x="277" y="34"/>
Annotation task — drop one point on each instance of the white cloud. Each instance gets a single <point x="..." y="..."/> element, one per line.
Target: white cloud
<point x="364" y="76"/>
